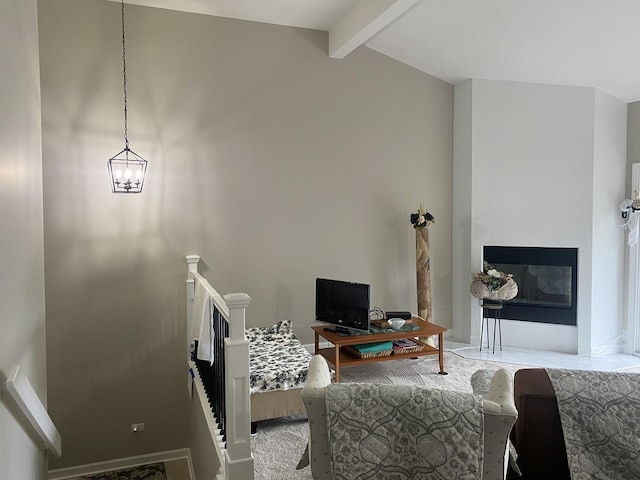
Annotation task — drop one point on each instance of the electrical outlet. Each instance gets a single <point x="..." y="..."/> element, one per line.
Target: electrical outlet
<point x="137" y="427"/>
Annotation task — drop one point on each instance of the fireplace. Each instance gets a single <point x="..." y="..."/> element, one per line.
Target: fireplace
<point x="547" y="281"/>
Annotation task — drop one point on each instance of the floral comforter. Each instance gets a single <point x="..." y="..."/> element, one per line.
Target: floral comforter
<point x="277" y="359"/>
<point x="600" y="414"/>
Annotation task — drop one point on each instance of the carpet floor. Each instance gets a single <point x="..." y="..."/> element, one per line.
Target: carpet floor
<point x="280" y="443"/>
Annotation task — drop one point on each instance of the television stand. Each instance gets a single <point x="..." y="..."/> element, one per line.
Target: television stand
<point x="338" y="357"/>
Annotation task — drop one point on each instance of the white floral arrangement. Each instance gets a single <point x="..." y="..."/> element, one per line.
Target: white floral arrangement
<point x="493" y="279"/>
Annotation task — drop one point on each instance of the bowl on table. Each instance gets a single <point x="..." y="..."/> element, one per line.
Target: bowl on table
<point x="396" y="323"/>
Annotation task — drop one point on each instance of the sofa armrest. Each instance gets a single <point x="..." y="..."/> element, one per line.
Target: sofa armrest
<point x="313" y="396"/>
<point x="318" y="376"/>
<point x="500" y="398"/>
<point x="496" y="388"/>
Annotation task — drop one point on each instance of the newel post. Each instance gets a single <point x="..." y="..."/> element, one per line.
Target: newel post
<point x="192" y="267"/>
<point x="238" y="425"/>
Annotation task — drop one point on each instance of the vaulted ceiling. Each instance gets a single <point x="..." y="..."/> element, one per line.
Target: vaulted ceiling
<point x="590" y="43"/>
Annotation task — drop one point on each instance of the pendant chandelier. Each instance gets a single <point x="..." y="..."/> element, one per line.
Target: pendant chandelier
<point x="126" y="169"/>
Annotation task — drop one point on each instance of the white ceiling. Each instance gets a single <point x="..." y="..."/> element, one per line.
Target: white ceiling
<point x="590" y="43"/>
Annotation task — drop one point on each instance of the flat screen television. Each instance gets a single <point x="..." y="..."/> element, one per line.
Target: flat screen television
<point x="344" y="305"/>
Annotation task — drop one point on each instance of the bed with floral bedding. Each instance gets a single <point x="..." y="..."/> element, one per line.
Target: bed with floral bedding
<point x="277" y="359"/>
<point x="278" y="366"/>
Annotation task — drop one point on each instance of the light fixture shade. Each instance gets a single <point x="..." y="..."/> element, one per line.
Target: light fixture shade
<point x="127" y="170"/>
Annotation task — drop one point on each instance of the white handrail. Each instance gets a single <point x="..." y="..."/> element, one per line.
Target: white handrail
<point x="20" y="389"/>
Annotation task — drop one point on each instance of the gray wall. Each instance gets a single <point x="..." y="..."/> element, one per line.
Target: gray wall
<point x="272" y="161"/>
<point x="22" y="319"/>
<point x="205" y="463"/>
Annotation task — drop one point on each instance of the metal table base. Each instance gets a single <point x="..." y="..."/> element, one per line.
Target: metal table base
<point x="491" y="310"/>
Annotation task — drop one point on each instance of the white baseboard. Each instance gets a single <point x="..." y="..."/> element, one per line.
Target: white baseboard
<point x="311" y="347"/>
<point x="118" y="463"/>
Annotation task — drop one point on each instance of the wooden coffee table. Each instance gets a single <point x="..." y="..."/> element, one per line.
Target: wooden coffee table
<point x="339" y="358"/>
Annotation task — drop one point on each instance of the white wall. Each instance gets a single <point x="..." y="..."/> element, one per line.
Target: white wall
<point x="633" y="156"/>
<point x="462" y="233"/>
<point x="633" y="142"/>
<point x="22" y="319"/>
<point x="609" y="172"/>
<point x="534" y="149"/>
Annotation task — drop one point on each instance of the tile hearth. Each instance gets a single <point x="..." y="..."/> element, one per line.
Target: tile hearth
<point x="544" y="358"/>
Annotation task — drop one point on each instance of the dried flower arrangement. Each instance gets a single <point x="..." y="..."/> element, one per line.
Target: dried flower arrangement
<point x="422" y="218"/>
<point x="491" y="277"/>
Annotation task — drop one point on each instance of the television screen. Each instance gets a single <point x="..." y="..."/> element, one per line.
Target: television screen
<point x="342" y="304"/>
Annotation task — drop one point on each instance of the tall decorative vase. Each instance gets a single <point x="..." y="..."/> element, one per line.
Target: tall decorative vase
<point x="421" y="221"/>
<point x="423" y="277"/>
<point x="423" y="273"/>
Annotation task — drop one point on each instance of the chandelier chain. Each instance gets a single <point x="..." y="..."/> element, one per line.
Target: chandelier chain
<point x="124" y="81"/>
<point x="127" y="169"/>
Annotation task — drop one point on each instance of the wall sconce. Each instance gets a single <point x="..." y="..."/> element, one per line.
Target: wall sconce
<point x="628" y="211"/>
<point x="630" y="206"/>
<point x="127" y="169"/>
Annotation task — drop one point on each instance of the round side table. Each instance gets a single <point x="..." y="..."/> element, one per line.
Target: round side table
<point x="491" y="309"/>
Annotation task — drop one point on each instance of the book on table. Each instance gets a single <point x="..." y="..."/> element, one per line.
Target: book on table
<point x="373" y="347"/>
<point x="404" y="344"/>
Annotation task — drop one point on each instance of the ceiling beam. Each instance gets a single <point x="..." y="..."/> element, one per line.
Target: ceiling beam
<point x="362" y="22"/>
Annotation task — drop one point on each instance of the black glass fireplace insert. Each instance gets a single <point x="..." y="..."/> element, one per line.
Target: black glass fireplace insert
<point x="547" y="281"/>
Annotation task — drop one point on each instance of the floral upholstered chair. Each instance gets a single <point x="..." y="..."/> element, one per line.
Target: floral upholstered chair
<point x="476" y="442"/>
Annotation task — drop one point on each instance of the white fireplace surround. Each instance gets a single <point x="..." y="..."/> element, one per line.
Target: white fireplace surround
<point x="541" y="165"/>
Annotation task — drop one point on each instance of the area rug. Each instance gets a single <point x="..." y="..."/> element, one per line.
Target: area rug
<point x="151" y="471"/>
<point x="279" y="444"/>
